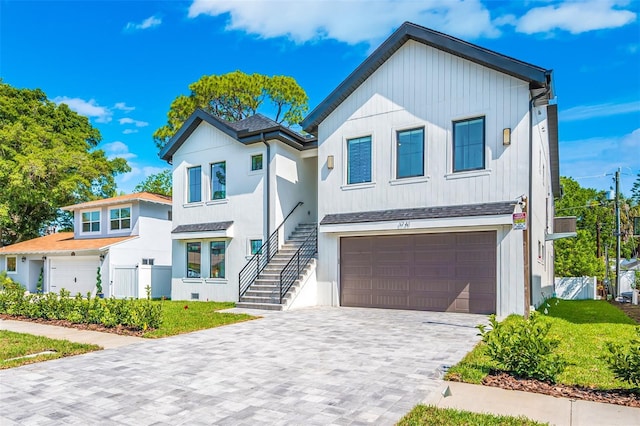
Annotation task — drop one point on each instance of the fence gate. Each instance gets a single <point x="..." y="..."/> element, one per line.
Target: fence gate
<point x="125" y="282"/>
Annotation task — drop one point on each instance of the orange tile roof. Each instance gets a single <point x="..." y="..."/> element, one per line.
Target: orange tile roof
<point x="60" y="242"/>
<point x="139" y="196"/>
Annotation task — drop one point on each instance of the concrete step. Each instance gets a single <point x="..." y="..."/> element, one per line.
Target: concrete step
<point x="264" y="306"/>
<point x="261" y="299"/>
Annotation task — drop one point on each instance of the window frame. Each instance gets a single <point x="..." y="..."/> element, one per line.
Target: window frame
<point x="120" y="219"/>
<point x="188" y="185"/>
<point x="199" y="243"/>
<point x="6" y="264"/>
<point x="483" y="165"/>
<point x="213" y="192"/>
<point x="98" y="221"/>
<point x="397" y="156"/>
<point x="224" y="260"/>
<point x="251" y="164"/>
<point x="251" y="247"/>
<point x="347" y="157"/>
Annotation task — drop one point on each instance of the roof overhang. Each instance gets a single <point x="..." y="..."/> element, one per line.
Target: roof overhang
<point x="203" y="231"/>
<point x="554" y="156"/>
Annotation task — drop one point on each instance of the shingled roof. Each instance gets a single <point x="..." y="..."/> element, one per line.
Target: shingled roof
<point x="61" y="242"/>
<point x="203" y="227"/>
<point x="466" y="210"/>
<point x="138" y="196"/>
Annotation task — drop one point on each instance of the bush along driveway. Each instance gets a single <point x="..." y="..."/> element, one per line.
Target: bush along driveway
<point x="565" y="350"/>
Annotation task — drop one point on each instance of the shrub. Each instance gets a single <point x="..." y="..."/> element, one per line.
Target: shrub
<point x="624" y="361"/>
<point x="521" y="347"/>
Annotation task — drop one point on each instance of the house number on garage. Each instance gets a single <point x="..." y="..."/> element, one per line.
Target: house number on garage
<point x="403" y="225"/>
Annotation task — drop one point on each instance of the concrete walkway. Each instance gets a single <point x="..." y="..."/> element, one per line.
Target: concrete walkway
<point x="542" y="408"/>
<point x="105" y="340"/>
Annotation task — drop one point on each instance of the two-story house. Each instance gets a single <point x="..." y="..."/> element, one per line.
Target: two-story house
<point x="423" y="156"/>
<point x="127" y="238"/>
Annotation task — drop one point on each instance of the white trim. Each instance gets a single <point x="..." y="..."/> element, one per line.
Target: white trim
<point x="218" y="281"/>
<point x="204" y="235"/>
<point x="188" y="203"/>
<point x="400" y="226"/>
<point x="345" y="160"/>
<point x="6" y="265"/>
<point x="415" y="179"/>
<point x="450" y="145"/>
<point x="215" y="202"/>
<point x="99" y="231"/>
<point x="258" y="171"/>
<point x="358" y="186"/>
<point x="121" y="230"/>
<point x="248" y="245"/>
<point x="468" y="174"/>
<point x="309" y="153"/>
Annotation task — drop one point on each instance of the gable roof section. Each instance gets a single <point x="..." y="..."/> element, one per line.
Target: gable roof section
<point x="485" y="209"/>
<point x="61" y="242"/>
<point x="250" y="130"/>
<point x="536" y="77"/>
<point x="138" y="196"/>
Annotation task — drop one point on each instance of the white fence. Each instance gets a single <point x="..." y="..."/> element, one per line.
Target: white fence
<point x="576" y="288"/>
<point x="132" y="281"/>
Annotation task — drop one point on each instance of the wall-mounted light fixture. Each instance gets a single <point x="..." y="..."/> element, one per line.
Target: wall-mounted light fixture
<point x="24" y="259"/>
<point x="101" y="257"/>
<point x="506" y="136"/>
<point x="330" y="162"/>
<point x="44" y="258"/>
<point x="73" y="253"/>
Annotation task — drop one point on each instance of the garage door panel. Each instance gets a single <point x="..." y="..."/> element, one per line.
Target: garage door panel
<point x="453" y="272"/>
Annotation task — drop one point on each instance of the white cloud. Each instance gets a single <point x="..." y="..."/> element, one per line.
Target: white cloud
<point x="137" y="123"/>
<point x="129" y="131"/>
<point x="87" y="108"/>
<point x="348" y="21"/>
<point x="575" y="17"/>
<point x="584" y="112"/>
<point x="118" y="149"/>
<point x="122" y="106"/>
<point x="150" y="22"/>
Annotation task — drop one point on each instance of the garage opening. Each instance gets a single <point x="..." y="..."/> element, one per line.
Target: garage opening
<point x="447" y="272"/>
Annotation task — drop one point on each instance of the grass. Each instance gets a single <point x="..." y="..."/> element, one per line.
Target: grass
<point x="583" y="327"/>
<point x="15" y="345"/>
<point x="434" y="416"/>
<point x="186" y="316"/>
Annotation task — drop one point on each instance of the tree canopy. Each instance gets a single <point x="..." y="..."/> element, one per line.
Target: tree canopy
<point x="635" y="191"/>
<point x="159" y="183"/>
<point x="235" y="96"/>
<point x="48" y="159"/>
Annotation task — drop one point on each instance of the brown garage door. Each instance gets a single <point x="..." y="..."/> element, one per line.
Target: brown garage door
<point x="453" y="272"/>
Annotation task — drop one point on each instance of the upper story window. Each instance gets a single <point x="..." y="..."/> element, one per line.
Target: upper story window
<point x="255" y="245"/>
<point x="359" y="160"/>
<point x="120" y="218"/>
<point x="194" y="184"/>
<point x="219" y="181"/>
<point x="256" y="162"/>
<point x="194" y="260"/>
<point x="90" y="221"/>
<point x="468" y="144"/>
<point x="410" y="153"/>
<point x="12" y="264"/>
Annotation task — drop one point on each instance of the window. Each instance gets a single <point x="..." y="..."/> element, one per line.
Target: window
<point x="194" y="185"/>
<point x="148" y="261"/>
<point x="256" y="162"/>
<point x="193" y="260"/>
<point x="410" y="153"/>
<point x="359" y="160"/>
<point x="468" y="144"/>
<point x="120" y="218"/>
<point x="255" y="246"/>
<point x="217" y="259"/>
<point x="12" y="264"/>
<point x="91" y="221"/>
<point x="219" y="181"/>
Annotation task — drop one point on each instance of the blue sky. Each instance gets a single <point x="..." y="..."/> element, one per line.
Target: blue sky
<point x="121" y="63"/>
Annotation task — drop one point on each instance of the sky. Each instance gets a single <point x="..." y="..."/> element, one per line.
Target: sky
<point x="121" y="63"/>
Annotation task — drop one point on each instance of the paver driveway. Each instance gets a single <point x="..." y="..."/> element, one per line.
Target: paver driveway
<point x="314" y="366"/>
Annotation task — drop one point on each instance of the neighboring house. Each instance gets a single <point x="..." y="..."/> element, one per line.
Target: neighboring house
<point x="423" y="155"/>
<point x="127" y="237"/>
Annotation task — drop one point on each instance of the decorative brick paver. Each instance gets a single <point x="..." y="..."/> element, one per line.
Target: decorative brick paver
<point x="341" y="366"/>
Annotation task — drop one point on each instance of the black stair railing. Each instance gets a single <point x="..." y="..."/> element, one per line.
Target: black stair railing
<point x="259" y="261"/>
<point x="291" y="272"/>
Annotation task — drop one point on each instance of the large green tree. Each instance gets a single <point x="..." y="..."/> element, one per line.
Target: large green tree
<point x="635" y="191"/>
<point x="48" y="159"/>
<point x="235" y="96"/>
<point x="159" y="183"/>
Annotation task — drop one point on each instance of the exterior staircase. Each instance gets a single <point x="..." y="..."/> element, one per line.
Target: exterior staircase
<point x="264" y="292"/>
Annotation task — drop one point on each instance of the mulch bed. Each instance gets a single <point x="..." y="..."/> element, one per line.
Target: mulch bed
<point x="632" y="311"/>
<point x="120" y="329"/>
<point x="614" y="396"/>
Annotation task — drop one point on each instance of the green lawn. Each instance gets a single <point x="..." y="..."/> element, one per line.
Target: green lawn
<point x="197" y="316"/>
<point x="582" y="327"/>
<point x="15" y="345"/>
<point x="433" y="416"/>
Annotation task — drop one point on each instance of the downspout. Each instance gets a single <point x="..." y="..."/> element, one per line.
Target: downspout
<point x="530" y="236"/>
<point x="268" y="185"/>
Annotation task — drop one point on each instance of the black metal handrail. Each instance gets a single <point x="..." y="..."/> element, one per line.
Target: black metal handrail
<point x="258" y="261"/>
<point x="291" y="272"/>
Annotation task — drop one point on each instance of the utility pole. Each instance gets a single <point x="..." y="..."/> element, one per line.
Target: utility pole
<point x="618" y="232"/>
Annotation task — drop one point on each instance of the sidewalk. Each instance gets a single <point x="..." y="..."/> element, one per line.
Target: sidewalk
<point x="538" y="407"/>
<point x="106" y="340"/>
